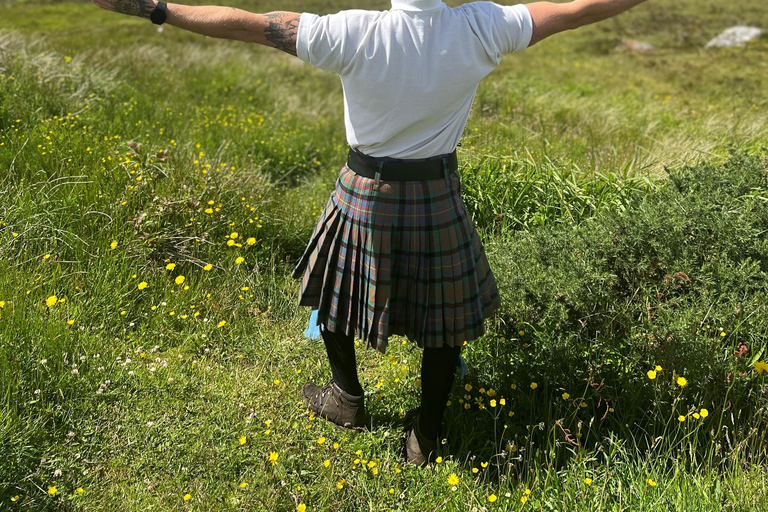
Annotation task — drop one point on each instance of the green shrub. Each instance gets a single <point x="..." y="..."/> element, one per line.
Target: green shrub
<point x="678" y="279"/>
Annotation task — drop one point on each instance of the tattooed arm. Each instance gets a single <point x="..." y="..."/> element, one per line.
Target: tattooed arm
<point x="274" y="29"/>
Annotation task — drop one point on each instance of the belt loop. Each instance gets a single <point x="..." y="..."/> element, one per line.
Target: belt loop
<point x="378" y="175"/>
<point x="446" y="172"/>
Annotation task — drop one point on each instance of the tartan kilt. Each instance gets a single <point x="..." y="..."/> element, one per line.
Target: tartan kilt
<point x="402" y="260"/>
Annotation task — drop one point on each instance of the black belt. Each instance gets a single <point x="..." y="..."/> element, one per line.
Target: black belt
<point x="404" y="170"/>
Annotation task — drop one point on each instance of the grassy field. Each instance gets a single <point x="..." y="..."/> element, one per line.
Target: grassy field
<point x="157" y="188"/>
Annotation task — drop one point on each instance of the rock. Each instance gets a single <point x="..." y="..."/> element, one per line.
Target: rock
<point x="634" y="45"/>
<point x="735" y="36"/>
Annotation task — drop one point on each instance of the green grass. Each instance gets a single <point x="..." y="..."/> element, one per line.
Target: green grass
<point x="594" y="176"/>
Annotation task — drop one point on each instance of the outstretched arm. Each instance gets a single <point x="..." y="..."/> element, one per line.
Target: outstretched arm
<point x="274" y="29"/>
<point x="550" y="18"/>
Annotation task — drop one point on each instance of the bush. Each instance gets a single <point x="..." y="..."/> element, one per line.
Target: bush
<point x="678" y="280"/>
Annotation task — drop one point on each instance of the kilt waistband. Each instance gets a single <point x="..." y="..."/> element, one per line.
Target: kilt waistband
<point x="386" y="169"/>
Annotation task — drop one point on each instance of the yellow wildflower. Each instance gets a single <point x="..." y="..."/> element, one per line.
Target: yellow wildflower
<point x="52" y="490"/>
<point x="492" y="498"/>
<point x="239" y="260"/>
<point x="180" y="279"/>
<point x="142" y="285"/>
<point x="651" y="374"/>
<point x="534" y="385"/>
<point x="761" y="367"/>
<point x="113" y="244"/>
<point x="187" y="497"/>
<point x="704" y="413"/>
<point x="453" y="479"/>
<point x="651" y="482"/>
<point x="50" y="302"/>
<point x="242" y="439"/>
<point x="682" y="382"/>
<point x="208" y="267"/>
<point x="588" y="481"/>
<point x="170" y="266"/>
<point x="273" y="457"/>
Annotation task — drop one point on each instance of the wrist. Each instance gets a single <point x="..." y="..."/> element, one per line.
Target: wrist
<point x="147" y="7"/>
<point x="159" y="14"/>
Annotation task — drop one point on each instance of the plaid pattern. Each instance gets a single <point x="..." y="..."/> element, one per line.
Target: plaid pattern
<point x="401" y="260"/>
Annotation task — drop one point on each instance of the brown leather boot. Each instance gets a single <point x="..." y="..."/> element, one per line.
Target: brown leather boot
<point x="419" y="449"/>
<point x="335" y="405"/>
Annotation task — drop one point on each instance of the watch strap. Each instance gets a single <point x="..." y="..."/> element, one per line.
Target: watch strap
<point x="159" y="15"/>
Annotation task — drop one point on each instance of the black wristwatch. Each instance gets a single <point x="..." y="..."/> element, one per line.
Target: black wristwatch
<point x="158" y="15"/>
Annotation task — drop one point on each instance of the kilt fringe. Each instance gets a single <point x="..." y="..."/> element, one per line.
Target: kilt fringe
<point x="402" y="258"/>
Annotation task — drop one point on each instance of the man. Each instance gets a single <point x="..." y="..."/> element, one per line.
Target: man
<point x="394" y="252"/>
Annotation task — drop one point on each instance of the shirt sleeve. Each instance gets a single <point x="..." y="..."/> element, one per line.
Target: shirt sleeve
<point x="321" y="40"/>
<point x="501" y="28"/>
<point x="513" y="27"/>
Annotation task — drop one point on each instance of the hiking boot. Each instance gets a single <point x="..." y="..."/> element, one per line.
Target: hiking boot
<point x="419" y="449"/>
<point x="335" y="405"/>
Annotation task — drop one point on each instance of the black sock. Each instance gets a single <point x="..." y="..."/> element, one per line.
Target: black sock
<point x="438" y="368"/>
<point x="341" y="355"/>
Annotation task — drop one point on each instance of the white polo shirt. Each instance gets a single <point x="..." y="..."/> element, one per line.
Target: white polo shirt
<point x="410" y="74"/>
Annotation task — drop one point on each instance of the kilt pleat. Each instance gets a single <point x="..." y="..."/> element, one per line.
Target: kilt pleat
<point x="400" y="259"/>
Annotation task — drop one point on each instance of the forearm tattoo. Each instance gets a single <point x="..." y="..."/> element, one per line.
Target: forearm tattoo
<point x="282" y="30"/>
<point x="140" y="8"/>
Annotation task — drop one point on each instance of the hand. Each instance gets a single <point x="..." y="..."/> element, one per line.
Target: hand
<point x="140" y="8"/>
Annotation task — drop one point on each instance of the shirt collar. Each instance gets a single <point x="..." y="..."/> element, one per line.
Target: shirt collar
<point x="417" y="5"/>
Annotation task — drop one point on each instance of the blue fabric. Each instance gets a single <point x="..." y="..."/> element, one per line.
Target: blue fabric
<point x="313" y="330"/>
<point x="462" y="366"/>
